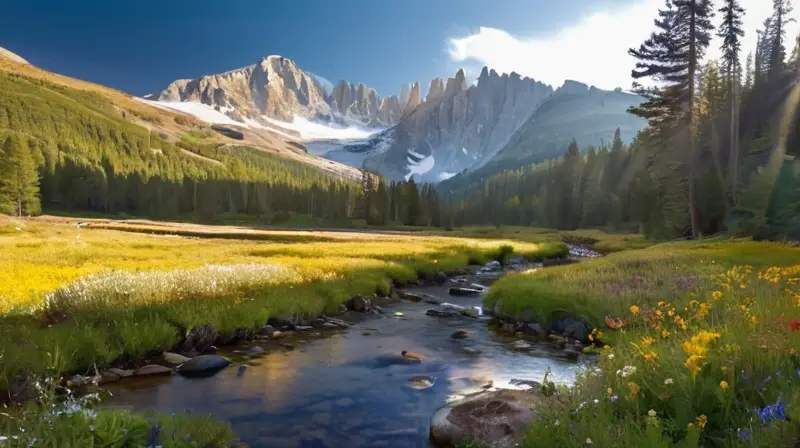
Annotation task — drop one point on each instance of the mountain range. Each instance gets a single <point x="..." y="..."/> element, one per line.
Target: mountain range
<point x="493" y="123"/>
<point x="456" y="129"/>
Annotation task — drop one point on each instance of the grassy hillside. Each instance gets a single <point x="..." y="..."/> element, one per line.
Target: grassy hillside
<point x="96" y="153"/>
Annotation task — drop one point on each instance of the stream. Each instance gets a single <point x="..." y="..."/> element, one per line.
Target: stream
<point x="351" y="388"/>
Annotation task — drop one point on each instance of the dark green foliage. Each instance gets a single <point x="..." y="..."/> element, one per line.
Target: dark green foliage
<point x="19" y="180"/>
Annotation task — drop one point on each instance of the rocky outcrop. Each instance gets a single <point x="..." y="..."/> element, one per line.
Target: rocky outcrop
<point x="413" y="100"/>
<point x="274" y="87"/>
<point x="457" y="126"/>
<point x="277" y="88"/>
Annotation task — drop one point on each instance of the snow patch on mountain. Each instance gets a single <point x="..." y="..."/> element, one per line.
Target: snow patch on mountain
<point x="203" y="112"/>
<point x="419" y="167"/>
<point x="310" y="130"/>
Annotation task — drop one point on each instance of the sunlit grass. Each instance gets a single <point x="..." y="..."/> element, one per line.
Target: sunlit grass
<point x="72" y="298"/>
<point x="709" y="355"/>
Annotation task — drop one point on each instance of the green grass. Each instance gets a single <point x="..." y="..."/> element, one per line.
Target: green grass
<point x="55" y="422"/>
<point x="701" y="313"/>
<point x="72" y="298"/>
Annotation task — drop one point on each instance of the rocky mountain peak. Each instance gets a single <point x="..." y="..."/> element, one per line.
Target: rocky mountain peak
<point x="435" y="90"/>
<point x="413" y="100"/>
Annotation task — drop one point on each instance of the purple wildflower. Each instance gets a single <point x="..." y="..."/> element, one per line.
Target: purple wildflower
<point x="743" y="434"/>
<point x="771" y="412"/>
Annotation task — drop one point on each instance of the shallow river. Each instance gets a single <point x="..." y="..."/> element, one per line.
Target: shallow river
<point x="348" y="390"/>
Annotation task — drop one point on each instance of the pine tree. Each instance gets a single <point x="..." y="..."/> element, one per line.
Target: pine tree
<point x="748" y="72"/>
<point x="776" y="37"/>
<point x="19" y="179"/>
<point x="413" y="209"/>
<point x="671" y="55"/>
<point x="731" y="32"/>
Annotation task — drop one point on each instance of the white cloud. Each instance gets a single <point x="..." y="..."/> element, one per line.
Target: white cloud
<point x="595" y="50"/>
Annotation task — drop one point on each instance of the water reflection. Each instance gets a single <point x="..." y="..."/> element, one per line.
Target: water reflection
<point x="351" y="389"/>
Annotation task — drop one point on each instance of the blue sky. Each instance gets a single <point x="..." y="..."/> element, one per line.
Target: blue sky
<point x="140" y="46"/>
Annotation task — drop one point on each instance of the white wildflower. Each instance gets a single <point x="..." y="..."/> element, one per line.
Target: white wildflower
<point x="626" y="371"/>
<point x="668" y="381"/>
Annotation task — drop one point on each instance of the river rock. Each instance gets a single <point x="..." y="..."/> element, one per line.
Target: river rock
<point x="174" y="358"/>
<point x="421" y="382"/>
<point x="527" y="316"/>
<point x="578" y="331"/>
<point x="108" y="378"/>
<point x="516" y="261"/>
<point x="471" y="351"/>
<point x="493" y="265"/>
<point x="281" y="324"/>
<point x="200" y="338"/>
<point x="203" y="365"/>
<point x="419" y="297"/>
<point x="152" y="369"/>
<point x="495" y="419"/>
<point x="522" y="345"/>
<point x="449" y="313"/>
<point x="460" y="334"/>
<point x="122" y="373"/>
<point x="537" y="330"/>
<point x="465" y="292"/>
<point x="359" y="303"/>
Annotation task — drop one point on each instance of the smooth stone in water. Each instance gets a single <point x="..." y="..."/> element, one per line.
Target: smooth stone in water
<point x="174" y="358"/>
<point x="493" y="419"/>
<point x="465" y="292"/>
<point x="122" y="373"/>
<point x="203" y="365"/>
<point x="152" y="369"/>
<point x="108" y="377"/>
<point x="443" y="313"/>
<point x="522" y="345"/>
<point x="578" y="331"/>
<point x="421" y="382"/>
<point x="460" y="334"/>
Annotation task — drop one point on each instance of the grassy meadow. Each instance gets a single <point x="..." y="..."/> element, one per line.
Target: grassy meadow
<point x="73" y="297"/>
<point x="708" y="356"/>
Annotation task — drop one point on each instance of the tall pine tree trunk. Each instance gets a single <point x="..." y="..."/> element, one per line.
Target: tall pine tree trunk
<point x="692" y="72"/>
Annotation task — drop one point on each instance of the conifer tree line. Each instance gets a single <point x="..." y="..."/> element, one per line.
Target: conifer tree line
<point x="68" y="150"/>
<point x="404" y="202"/>
<point x="719" y="153"/>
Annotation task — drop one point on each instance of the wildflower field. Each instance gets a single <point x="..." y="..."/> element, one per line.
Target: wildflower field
<point x="707" y="352"/>
<point x="71" y="298"/>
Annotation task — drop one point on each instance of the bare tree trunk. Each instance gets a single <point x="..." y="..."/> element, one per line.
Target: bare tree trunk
<point x="692" y="72"/>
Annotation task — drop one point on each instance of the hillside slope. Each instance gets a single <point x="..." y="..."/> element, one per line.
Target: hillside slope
<point x="101" y="150"/>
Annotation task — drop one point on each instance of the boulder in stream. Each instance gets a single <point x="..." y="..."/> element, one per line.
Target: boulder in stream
<point x="421" y="382"/>
<point x="460" y="334"/>
<point x="448" y="313"/>
<point x="419" y="297"/>
<point x="173" y="358"/>
<point x="578" y="331"/>
<point x="200" y="339"/>
<point x="440" y="278"/>
<point x="152" y="369"/>
<point x="465" y="291"/>
<point x="359" y="303"/>
<point x="204" y="365"/>
<point x="495" y="419"/>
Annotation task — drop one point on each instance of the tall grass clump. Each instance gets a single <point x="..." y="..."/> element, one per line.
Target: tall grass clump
<point x="714" y="364"/>
<point x="120" y="289"/>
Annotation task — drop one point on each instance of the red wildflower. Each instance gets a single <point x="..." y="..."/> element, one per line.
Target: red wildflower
<point x="666" y="395"/>
<point x="794" y="325"/>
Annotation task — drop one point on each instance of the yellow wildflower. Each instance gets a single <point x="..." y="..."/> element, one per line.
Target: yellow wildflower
<point x="610" y="391"/>
<point x="606" y="347"/>
<point x="662" y="303"/>
<point x="665" y="334"/>
<point x="723" y="385"/>
<point x="716" y="295"/>
<point x="753" y="320"/>
<point x="702" y="420"/>
<point x="634" y="309"/>
<point x="670" y="313"/>
<point x="690" y="425"/>
<point x="634" y="388"/>
<point x="651" y="357"/>
<point x="659" y="313"/>
<point x="647" y="340"/>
